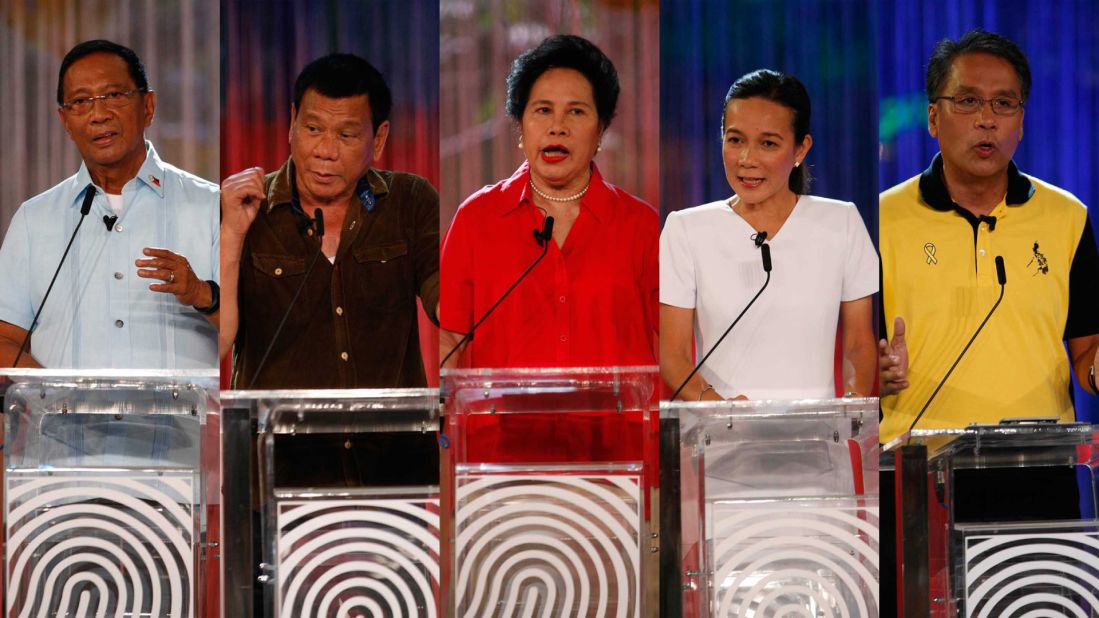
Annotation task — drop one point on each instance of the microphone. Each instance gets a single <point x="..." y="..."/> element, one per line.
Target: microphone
<point x="759" y="237"/>
<point x="85" y="208"/>
<point x="542" y="237"/>
<point x="109" y="221"/>
<point x="1001" y="278"/>
<point x="765" y="254"/>
<point x="318" y="225"/>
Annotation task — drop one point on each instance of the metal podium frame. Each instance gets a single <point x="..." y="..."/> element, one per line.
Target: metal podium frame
<point x="329" y="547"/>
<point x="109" y="480"/>
<point x="554" y="481"/>
<point x="1007" y="568"/>
<point x="778" y="507"/>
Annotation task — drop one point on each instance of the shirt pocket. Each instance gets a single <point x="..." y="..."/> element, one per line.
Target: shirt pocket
<point x="383" y="275"/>
<point x="276" y="278"/>
<point x="274" y="267"/>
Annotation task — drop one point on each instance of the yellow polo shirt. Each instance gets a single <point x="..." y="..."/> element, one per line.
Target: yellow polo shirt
<point x="939" y="274"/>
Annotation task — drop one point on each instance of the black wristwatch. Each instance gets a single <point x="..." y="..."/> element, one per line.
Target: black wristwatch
<point x="215" y="292"/>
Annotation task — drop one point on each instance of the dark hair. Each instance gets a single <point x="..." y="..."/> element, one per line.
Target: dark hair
<point x="787" y="91"/>
<point x="975" y="41"/>
<point x="564" y="51"/>
<point x="87" y="48"/>
<point x="338" y="76"/>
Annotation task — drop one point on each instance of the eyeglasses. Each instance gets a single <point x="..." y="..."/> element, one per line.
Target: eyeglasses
<point x="1001" y="106"/>
<point x="115" y="99"/>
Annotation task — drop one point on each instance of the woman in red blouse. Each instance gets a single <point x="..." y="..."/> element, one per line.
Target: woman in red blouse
<point x="592" y="300"/>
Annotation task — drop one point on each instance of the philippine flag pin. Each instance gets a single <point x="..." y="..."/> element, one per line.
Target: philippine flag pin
<point x="154" y="180"/>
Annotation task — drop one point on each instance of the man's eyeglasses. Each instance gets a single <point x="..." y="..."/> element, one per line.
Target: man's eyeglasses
<point x="968" y="104"/>
<point x="115" y="99"/>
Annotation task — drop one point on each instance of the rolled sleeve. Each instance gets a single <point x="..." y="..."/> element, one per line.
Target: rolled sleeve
<point x="425" y="200"/>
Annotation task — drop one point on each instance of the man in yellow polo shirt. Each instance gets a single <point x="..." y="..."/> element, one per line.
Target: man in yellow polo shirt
<point x="940" y="234"/>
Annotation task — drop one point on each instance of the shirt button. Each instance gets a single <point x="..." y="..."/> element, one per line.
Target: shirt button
<point x="339" y="310"/>
<point x="118" y="275"/>
<point x="564" y="338"/>
<point x="562" y="299"/>
<point x="118" y="228"/>
<point x="278" y="271"/>
<point x="343" y="355"/>
<point x="981" y="252"/>
<point x="119" y="323"/>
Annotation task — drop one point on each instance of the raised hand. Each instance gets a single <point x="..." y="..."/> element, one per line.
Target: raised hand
<point x="893" y="361"/>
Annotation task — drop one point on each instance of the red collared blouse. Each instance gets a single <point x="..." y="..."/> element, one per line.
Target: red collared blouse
<point x="592" y="302"/>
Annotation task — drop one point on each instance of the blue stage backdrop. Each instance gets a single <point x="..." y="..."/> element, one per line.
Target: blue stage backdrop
<point x="706" y="45"/>
<point x="1061" y="40"/>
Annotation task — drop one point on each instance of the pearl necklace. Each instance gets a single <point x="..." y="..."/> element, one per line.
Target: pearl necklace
<point x="570" y="198"/>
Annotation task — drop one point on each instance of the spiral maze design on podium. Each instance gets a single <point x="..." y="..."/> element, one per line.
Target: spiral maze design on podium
<point x="85" y="546"/>
<point x="358" y="558"/>
<point x="774" y="562"/>
<point x="1050" y="575"/>
<point x="548" y="546"/>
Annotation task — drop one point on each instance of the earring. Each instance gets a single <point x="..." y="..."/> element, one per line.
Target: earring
<point x="797" y="163"/>
<point x="520" y="142"/>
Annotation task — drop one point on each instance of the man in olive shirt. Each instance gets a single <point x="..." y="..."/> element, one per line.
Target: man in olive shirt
<point x="355" y="323"/>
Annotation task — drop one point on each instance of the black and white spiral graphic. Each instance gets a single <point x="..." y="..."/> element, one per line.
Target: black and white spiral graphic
<point x="91" y="546"/>
<point x="543" y="546"/>
<point x="1049" y="575"/>
<point x="786" y="560"/>
<point x="358" y="558"/>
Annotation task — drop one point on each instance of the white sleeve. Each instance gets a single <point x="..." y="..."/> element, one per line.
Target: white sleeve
<point x="677" y="276"/>
<point x="16" y="305"/>
<point x="215" y="250"/>
<point x="860" y="277"/>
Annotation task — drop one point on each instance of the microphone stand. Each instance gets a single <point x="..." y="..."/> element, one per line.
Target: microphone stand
<point x="85" y="208"/>
<point x="765" y="253"/>
<point x="318" y="215"/>
<point x="543" y="237"/>
<point x="1001" y="277"/>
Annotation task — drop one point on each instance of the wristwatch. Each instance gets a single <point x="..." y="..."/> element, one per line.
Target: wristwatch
<point x="215" y="304"/>
<point x="1091" y="379"/>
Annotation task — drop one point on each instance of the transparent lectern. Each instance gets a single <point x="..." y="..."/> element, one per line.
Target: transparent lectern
<point x="107" y="479"/>
<point x="1002" y="564"/>
<point x="348" y="502"/>
<point x="779" y="507"/>
<point x="551" y="472"/>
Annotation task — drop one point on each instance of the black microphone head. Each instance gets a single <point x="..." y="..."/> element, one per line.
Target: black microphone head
<point x="542" y="236"/>
<point x="109" y="221"/>
<point x="765" y="251"/>
<point x="1001" y="273"/>
<point x="89" y="195"/>
<point x="318" y="218"/>
<point x="759" y="237"/>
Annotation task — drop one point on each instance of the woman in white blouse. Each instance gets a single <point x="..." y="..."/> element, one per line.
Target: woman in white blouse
<point x="824" y="272"/>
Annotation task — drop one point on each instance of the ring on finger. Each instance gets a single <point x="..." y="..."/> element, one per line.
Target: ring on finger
<point x="171" y="276"/>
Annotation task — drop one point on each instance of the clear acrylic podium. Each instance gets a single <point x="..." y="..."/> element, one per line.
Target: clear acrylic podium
<point x="990" y="568"/>
<point x="551" y="471"/>
<point x="779" y="507"/>
<point x="348" y="501"/>
<point x="107" y="480"/>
